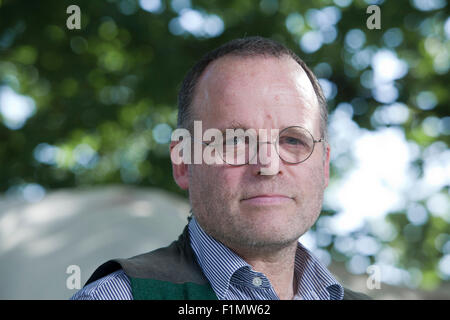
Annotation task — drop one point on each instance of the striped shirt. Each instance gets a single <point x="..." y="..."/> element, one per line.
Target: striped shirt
<point x="229" y="275"/>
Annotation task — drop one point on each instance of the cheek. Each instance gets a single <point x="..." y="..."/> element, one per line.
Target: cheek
<point x="207" y="177"/>
<point x="308" y="179"/>
<point x="231" y="178"/>
<point x="218" y="182"/>
<point x="316" y="164"/>
<point x="198" y="177"/>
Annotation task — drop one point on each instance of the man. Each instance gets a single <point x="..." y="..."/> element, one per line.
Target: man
<point x="242" y="239"/>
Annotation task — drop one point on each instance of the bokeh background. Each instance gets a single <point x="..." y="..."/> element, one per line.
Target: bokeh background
<point x="86" y="116"/>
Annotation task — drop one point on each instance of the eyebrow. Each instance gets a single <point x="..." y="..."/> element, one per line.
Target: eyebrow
<point x="234" y="125"/>
<point x="237" y="125"/>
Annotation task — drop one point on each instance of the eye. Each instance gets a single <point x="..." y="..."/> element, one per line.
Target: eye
<point x="235" y="141"/>
<point x="292" y="141"/>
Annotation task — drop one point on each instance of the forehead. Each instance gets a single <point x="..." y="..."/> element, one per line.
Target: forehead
<point x="250" y="89"/>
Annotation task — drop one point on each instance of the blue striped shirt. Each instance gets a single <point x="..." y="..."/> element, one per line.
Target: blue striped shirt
<point x="229" y="275"/>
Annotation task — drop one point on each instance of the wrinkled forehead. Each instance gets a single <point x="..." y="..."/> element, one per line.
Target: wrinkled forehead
<point x="232" y="71"/>
<point x="233" y="82"/>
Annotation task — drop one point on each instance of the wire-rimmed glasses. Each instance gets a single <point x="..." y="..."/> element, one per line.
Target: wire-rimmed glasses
<point x="293" y="144"/>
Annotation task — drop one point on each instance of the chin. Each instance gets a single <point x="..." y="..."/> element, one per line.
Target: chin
<point x="286" y="223"/>
<point x="269" y="214"/>
<point x="272" y="222"/>
<point x="270" y="240"/>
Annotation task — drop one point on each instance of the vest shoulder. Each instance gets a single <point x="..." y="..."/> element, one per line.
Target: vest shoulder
<point x="353" y="295"/>
<point x="167" y="263"/>
<point x="175" y="263"/>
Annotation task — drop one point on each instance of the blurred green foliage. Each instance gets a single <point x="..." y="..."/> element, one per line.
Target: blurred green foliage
<point x="105" y="95"/>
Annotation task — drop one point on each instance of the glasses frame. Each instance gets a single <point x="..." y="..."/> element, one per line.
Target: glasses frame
<point x="275" y="142"/>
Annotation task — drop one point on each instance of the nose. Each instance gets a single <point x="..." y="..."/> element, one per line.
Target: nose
<point x="267" y="159"/>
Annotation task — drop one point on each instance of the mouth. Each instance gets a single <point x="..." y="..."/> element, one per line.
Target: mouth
<point x="267" y="199"/>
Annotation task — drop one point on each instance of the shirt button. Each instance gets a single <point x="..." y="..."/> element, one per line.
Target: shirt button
<point x="257" y="281"/>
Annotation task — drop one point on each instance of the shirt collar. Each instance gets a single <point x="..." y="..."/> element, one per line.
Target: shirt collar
<point x="219" y="264"/>
<point x="216" y="260"/>
<point x="314" y="279"/>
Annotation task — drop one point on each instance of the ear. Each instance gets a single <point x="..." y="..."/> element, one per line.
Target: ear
<point x="179" y="168"/>
<point x="326" y="165"/>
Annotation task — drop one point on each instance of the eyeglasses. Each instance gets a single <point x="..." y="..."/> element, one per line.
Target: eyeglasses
<point x="293" y="145"/>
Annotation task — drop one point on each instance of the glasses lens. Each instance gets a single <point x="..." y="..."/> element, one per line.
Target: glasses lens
<point x="295" y="144"/>
<point x="237" y="147"/>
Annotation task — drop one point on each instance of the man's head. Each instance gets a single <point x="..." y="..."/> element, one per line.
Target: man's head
<point x="245" y="47"/>
<point x="254" y="83"/>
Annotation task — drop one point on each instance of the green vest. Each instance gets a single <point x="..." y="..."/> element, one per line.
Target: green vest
<point x="171" y="273"/>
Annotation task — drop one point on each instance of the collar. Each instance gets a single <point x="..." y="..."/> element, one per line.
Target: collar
<point x="222" y="266"/>
<point x="315" y="282"/>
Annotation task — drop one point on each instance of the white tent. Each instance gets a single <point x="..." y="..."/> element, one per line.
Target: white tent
<point x="39" y="241"/>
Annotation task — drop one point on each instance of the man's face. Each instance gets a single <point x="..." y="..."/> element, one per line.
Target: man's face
<point x="236" y="204"/>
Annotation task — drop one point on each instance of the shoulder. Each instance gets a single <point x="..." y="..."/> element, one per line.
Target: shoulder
<point x="114" y="286"/>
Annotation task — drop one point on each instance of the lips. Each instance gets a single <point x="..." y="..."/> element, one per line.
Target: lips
<point x="266" y="199"/>
<point x="268" y="195"/>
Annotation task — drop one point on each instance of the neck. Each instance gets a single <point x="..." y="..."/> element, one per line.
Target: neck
<point x="277" y="266"/>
